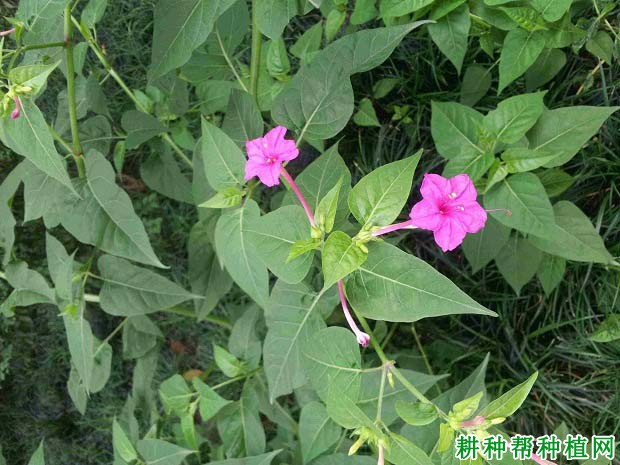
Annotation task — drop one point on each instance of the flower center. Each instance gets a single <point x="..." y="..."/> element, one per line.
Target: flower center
<point x="453" y="195"/>
<point x="271" y="160"/>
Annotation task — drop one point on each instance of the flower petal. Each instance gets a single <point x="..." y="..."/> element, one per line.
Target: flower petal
<point x="462" y="189"/>
<point x="425" y="214"/>
<point x="473" y="217"/>
<point x="275" y="137"/>
<point x="270" y="174"/>
<point x="287" y="150"/>
<point x="253" y="167"/>
<point x="449" y="235"/>
<point x="255" y="148"/>
<point x="435" y="188"/>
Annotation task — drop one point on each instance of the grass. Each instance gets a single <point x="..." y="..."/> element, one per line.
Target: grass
<point x="579" y="380"/>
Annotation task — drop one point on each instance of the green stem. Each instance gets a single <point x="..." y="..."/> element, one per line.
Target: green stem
<point x="60" y="140"/>
<point x="427" y="363"/>
<point x="229" y="61"/>
<point x="121" y="83"/>
<point x="77" y="146"/>
<point x="110" y="336"/>
<point x="257" y="43"/>
<point x="397" y="373"/>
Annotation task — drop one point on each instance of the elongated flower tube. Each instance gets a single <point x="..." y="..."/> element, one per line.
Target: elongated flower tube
<point x="362" y="338"/>
<point x="7" y="32"/>
<point x="476" y="421"/>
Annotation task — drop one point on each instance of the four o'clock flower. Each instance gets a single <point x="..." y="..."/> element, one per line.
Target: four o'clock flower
<point x="266" y="154"/>
<point x="449" y="209"/>
<point x="7" y="32"/>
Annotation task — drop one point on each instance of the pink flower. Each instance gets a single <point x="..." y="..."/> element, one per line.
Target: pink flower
<point x="449" y="209"/>
<point x="266" y="154"/>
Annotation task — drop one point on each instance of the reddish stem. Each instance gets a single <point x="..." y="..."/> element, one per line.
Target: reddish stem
<point x="299" y="195"/>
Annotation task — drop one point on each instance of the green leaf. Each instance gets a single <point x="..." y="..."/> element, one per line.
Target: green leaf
<point x="38" y="458"/>
<point x="77" y="391"/>
<point x="29" y="287"/>
<point x="240" y="427"/>
<point x="555" y="181"/>
<point x="524" y="196"/>
<point x="30" y="137"/>
<point x="342" y="409"/>
<point x="333" y="360"/>
<point x="384" y="86"/>
<point x="244" y="341"/>
<point x="482" y="247"/>
<point x="327" y="208"/>
<point x="278" y="64"/>
<point x="550" y="272"/>
<point x="518" y="262"/>
<point x="509" y="402"/>
<point x="272" y="16"/>
<point x="303" y="246"/>
<point x="104" y="217"/>
<point x="564" y="131"/>
<point x="608" y="330"/>
<point x="8" y="188"/>
<point x="294" y="316"/>
<point x="473" y="164"/>
<point x="34" y="76"/>
<point x="317" y="432"/>
<point x="318" y="101"/>
<point x="551" y="10"/>
<point x="520" y="160"/>
<point x="514" y="117"/>
<point x="175" y="395"/>
<point x="520" y="50"/>
<point x="177" y="35"/>
<point x="161" y="172"/>
<point x="379" y="197"/>
<point x="140" y="336"/>
<point x="243" y="119"/>
<point x="395" y="286"/>
<point x="366" y="115"/>
<point x="341" y="256"/>
<point x="455" y="129"/>
<point x="129" y="290"/>
<point x="476" y="84"/>
<point x="93" y="13"/>
<point x="121" y="443"/>
<point x="263" y="459"/>
<point x="545" y="68"/>
<point x="450" y="34"/>
<point x="601" y="45"/>
<point x="416" y="413"/>
<point x="81" y="346"/>
<point x="140" y="128"/>
<point x="364" y="11"/>
<point x="320" y="177"/>
<point x="573" y="237"/>
<point x="96" y="134"/>
<point x="43" y="196"/>
<point x="396" y="8"/>
<point x="227" y="198"/>
<point x="333" y="23"/>
<point x="159" y="452"/>
<point x="308" y="44"/>
<point x="210" y="401"/>
<point x="227" y="362"/>
<point x="60" y="266"/>
<point x="274" y="234"/>
<point x="224" y="163"/>
<point x="207" y="278"/>
<point x="404" y="452"/>
<point x="344" y="459"/>
<point x="239" y="254"/>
